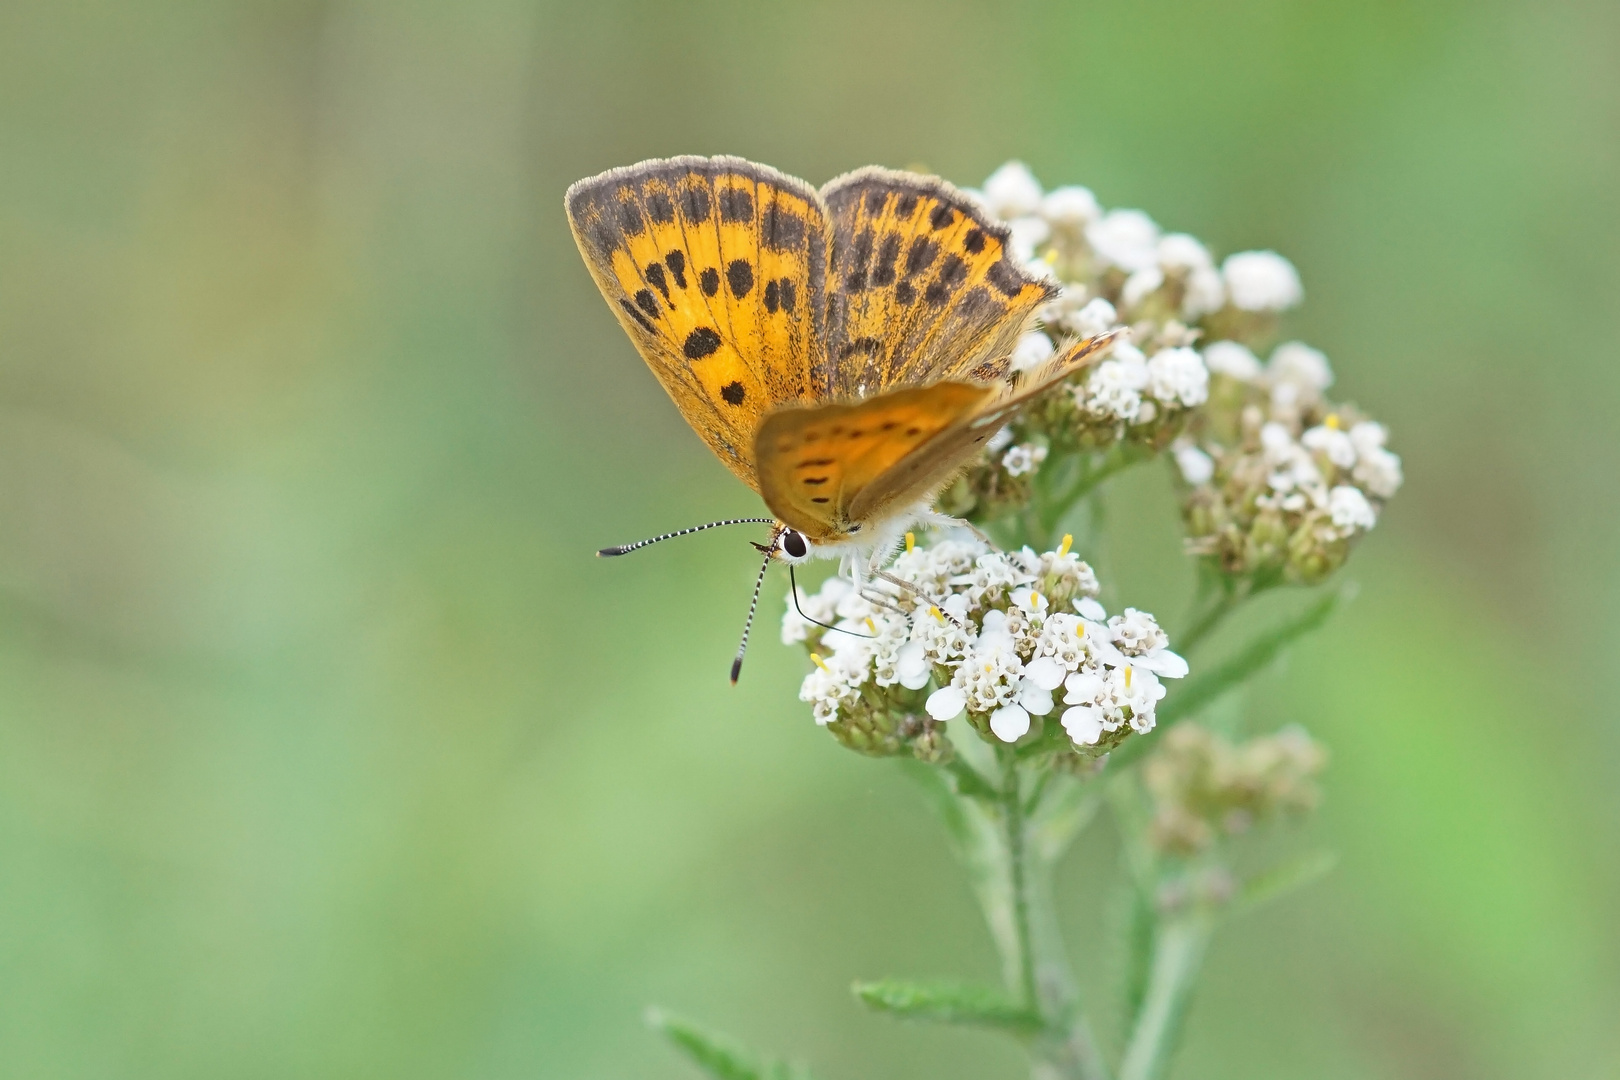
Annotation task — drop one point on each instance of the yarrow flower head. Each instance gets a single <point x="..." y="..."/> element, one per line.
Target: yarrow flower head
<point x="990" y="637"/>
<point x="1205" y="788"/>
<point x="1279" y="480"/>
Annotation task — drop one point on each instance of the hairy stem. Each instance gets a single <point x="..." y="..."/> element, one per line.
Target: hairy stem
<point x="1178" y="952"/>
<point x="1022" y="970"/>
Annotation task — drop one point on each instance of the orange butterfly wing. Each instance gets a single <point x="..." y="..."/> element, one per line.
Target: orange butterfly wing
<point x="815" y="461"/>
<point x="715" y="268"/>
<point x="920" y="285"/>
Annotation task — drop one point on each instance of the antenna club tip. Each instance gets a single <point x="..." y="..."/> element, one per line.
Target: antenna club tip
<point x="608" y="552"/>
<point x="736" y="669"/>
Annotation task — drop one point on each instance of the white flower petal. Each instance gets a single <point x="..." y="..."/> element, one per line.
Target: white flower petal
<point x="1164" y="663"/>
<point x="911" y="665"/>
<point x="1090" y="610"/>
<point x="1083" y="687"/>
<point x="1045" y="672"/>
<point x="1035" y="700"/>
<point x="1083" y="724"/>
<point x="1009" y="723"/>
<point x="946" y="703"/>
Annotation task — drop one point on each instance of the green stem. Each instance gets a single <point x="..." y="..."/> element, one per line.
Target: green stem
<point x="1038" y="964"/>
<point x="1021" y="973"/>
<point x="1178" y="952"/>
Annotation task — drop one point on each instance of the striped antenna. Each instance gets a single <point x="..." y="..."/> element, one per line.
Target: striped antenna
<point x="736" y="664"/>
<point x="625" y="549"/>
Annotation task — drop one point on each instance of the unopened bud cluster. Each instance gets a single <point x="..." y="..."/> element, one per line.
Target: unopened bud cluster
<point x="1002" y="639"/>
<point x="1204" y="787"/>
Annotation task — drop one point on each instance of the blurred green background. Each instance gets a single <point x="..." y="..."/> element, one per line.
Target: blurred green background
<point x="327" y="750"/>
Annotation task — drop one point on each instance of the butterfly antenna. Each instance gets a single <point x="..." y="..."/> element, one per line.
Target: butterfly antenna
<point x="624" y="549"/>
<point x="793" y="582"/>
<point x="736" y="664"/>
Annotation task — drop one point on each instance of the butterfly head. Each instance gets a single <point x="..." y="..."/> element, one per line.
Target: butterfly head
<point x="788" y="545"/>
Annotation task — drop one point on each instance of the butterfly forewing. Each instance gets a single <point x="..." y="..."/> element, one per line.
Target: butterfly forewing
<point x="816" y="461"/>
<point x="715" y="267"/>
<point x="920" y="285"/>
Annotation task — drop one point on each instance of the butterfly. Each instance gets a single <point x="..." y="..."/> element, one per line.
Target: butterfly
<point x="844" y="352"/>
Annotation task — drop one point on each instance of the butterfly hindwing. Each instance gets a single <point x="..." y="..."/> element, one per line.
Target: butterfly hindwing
<point x="921" y="286"/>
<point x="715" y="268"/>
<point x="815" y="461"/>
<point x="824" y="468"/>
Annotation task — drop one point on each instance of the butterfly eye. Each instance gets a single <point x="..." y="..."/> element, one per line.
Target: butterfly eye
<point x="793" y="544"/>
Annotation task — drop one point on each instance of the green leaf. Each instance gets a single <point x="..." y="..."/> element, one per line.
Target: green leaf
<point x="719" y="1056"/>
<point x="1282" y="880"/>
<point x="948" y="1003"/>
<point x="1200" y="690"/>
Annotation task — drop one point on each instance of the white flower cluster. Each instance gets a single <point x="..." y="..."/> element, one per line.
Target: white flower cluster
<point x="999" y="636"/>
<point x="1118" y="267"/>
<point x="1274" y="459"/>
<point x="1066" y="234"/>
<point x="1132" y="388"/>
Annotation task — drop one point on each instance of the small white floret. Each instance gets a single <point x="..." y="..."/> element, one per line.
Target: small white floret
<point x="1231" y="359"/>
<point x="1070" y="207"/>
<point x="1097" y="317"/>
<point x="1350" y="510"/>
<point x="1012" y="191"/>
<point x="946" y="703"/>
<point x="1261" y="281"/>
<point x="1178" y="377"/>
<point x="1032" y="349"/>
<point x="1010" y="723"/>
<point x="1297" y="363"/>
<point x="1128" y="239"/>
<point x="1196" y="466"/>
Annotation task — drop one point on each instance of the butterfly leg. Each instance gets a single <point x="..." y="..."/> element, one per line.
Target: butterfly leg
<point x="934" y="519"/>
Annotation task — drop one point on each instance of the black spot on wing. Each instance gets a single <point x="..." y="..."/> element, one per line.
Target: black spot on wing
<point x="941" y="217"/>
<point x="859" y="256"/>
<point x="733" y="392"/>
<point x="787" y="293"/>
<point x="655" y="277"/>
<point x="740" y="276"/>
<point x="772" y="300"/>
<point x="636" y="315"/>
<point x="736" y="204"/>
<point x="647" y="302"/>
<point x="676" y="261"/>
<point x="871" y="346"/>
<point x="976" y="304"/>
<point x="974" y="241"/>
<point x="709" y="281"/>
<point x="695" y="203"/>
<point x="920" y="255"/>
<point x="628" y="216"/>
<point x="888" y="252"/>
<point x="781" y="229"/>
<point x="904" y="293"/>
<point x="1004" y="277"/>
<point x="659" y="208"/>
<point x="906" y="204"/>
<point x="700" y="343"/>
